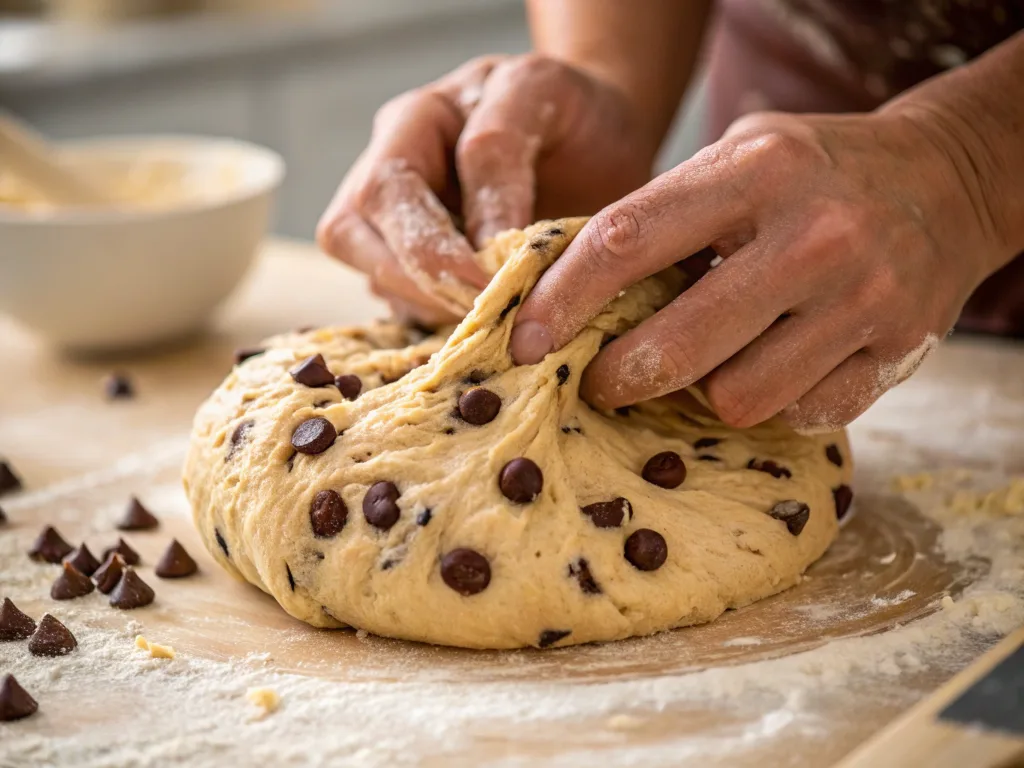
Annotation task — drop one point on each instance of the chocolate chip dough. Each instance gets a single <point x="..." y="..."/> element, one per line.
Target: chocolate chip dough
<point x="457" y="499"/>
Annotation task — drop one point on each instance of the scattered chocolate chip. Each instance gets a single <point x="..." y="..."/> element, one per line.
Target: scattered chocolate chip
<point x="707" y="457"/>
<point x="577" y="430"/>
<point x="423" y="518"/>
<point x="14" y="625"/>
<point x="665" y="469"/>
<point x="833" y="454"/>
<point x="15" y="701"/>
<point x="539" y="244"/>
<point x="314" y="436"/>
<point x="566" y="430"/>
<point x="51" y="638"/>
<point x="521" y="481"/>
<point x="175" y="563"/>
<point x="83" y="560"/>
<point x="244" y="353"/>
<point x="479" y="406"/>
<point x="512" y="304"/>
<point x="580" y="570"/>
<point x="117" y="386"/>
<point x="239" y="436"/>
<point x="555" y="232"/>
<point x="137" y="518"/>
<point x="49" y="546"/>
<point x="349" y="385"/>
<point x="305" y="328"/>
<point x="706" y="442"/>
<point x="71" y="583"/>
<point x="623" y="410"/>
<point x="449" y="431"/>
<point x="609" y="514"/>
<point x="770" y="467"/>
<point x="562" y="373"/>
<point x="551" y="636"/>
<point x="646" y="549"/>
<point x="108" y="574"/>
<point x="327" y="514"/>
<point x="291" y="579"/>
<point x="220" y="542"/>
<point x="466" y="571"/>
<point x="131" y="557"/>
<point x="290" y="461"/>
<point x="9" y="482"/>
<point x="843" y="496"/>
<point x="476" y="377"/>
<point x="131" y="591"/>
<point x="380" y="505"/>
<point x="322" y="403"/>
<point x="794" y="514"/>
<point x="387" y="565"/>
<point x="312" y="372"/>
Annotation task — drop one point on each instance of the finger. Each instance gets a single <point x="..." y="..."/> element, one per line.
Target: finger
<point x="407" y="313"/>
<point x="780" y="366"/>
<point x="837" y="399"/>
<point x="498" y="148"/>
<point x="709" y="323"/>
<point x="676" y="215"/>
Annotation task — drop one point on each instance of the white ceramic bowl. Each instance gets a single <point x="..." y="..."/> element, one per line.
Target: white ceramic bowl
<point x="90" y="280"/>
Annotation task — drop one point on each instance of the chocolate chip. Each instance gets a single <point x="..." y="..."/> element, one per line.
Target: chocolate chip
<point x="51" y="638"/>
<point x="49" y="546"/>
<point x="707" y="457"/>
<point x="15" y="701"/>
<point x="220" y="542"/>
<point x="770" y="467"/>
<point x="646" y="550"/>
<point x="580" y="570"/>
<point x="449" y="431"/>
<point x="477" y="377"/>
<point x="9" y="482"/>
<point x="327" y="514"/>
<point x="423" y="518"/>
<point x="14" y="625"/>
<point x="175" y="563"/>
<point x="314" y="436"/>
<point x="108" y="574"/>
<point x="479" y="406"/>
<point x="118" y="386"/>
<point x="833" y="454"/>
<point x="239" y="436"/>
<point x="244" y="353"/>
<point x="3" y="517"/>
<point x="562" y="373"/>
<point x="554" y="232"/>
<point x="131" y="591"/>
<point x="70" y="584"/>
<point x="552" y="636"/>
<point x="794" y="514"/>
<point x="706" y="442"/>
<point x="609" y="514"/>
<point x="843" y="496"/>
<point x="349" y="385"/>
<point x="512" y="304"/>
<point x="566" y="430"/>
<point x="83" y="560"/>
<point x="521" y="481"/>
<point x="131" y="557"/>
<point x="312" y="372"/>
<point x="623" y="410"/>
<point x="380" y="507"/>
<point x="466" y="571"/>
<point x="539" y="244"/>
<point x="665" y="470"/>
<point x="291" y="579"/>
<point x="387" y="565"/>
<point x="137" y="518"/>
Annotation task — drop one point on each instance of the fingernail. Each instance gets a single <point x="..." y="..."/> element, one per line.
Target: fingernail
<point x="530" y="342"/>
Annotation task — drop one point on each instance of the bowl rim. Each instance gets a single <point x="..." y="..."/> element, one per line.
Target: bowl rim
<point x="251" y="152"/>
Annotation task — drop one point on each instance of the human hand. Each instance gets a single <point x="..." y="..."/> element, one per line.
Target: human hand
<point x="850" y="244"/>
<point x="501" y="141"/>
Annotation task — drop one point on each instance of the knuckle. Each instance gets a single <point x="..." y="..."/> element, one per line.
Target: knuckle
<point x="534" y="66"/>
<point x="334" y="232"/>
<point x="621" y="232"/>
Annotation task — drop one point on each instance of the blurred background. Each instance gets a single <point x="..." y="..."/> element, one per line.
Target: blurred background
<point x="303" y="77"/>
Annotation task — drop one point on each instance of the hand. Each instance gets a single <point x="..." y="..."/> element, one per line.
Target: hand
<point x="529" y="138"/>
<point x="850" y="243"/>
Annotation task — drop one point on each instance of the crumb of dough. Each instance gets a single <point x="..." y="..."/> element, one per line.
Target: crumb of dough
<point x="947" y="603"/>
<point x="156" y="650"/>
<point x="919" y="482"/>
<point x="266" y="699"/>
<point x="623" y="722"/>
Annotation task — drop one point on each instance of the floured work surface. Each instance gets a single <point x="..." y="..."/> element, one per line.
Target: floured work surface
<point x="771" y="684"/>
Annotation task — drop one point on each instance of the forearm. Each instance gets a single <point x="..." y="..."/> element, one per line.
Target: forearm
<point x="647" y="49"/>
<point x="976" y="113"/>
